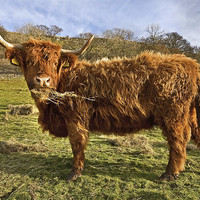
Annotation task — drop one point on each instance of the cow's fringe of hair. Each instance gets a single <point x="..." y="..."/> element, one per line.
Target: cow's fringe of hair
<point x="57" y="97"/>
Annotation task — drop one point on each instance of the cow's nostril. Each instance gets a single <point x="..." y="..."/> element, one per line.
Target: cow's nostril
<point x="38" y="79"/>
<point x="48" y="80"/>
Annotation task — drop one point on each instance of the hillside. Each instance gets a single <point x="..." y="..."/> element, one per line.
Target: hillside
<point x="100" y="48"/>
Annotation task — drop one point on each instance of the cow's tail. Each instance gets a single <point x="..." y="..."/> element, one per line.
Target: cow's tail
<point x="196" y="131"/>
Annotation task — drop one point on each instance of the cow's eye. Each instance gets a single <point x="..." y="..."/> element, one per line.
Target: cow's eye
<point x="29" y="62"/>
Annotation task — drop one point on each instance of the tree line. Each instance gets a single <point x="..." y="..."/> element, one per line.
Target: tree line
<point x="156" y="39"/>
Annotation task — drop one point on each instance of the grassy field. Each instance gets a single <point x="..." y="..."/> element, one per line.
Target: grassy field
<point x="34" y="165"/>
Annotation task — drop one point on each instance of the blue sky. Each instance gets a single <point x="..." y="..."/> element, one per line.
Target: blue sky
<point x="96" y="16"/>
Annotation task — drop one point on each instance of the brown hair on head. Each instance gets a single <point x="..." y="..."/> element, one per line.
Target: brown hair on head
<point x="40" y="51"/>
<point x="41" y="62"/>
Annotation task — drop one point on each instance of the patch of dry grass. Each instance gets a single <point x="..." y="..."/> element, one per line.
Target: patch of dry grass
<point x="14" y="146"/>
<point x="191" y="146"/>
<point x="140" y="143"/>
<point x="25" y="109"/>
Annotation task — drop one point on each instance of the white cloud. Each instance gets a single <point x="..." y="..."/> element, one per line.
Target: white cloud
<point x="76" y="16"/>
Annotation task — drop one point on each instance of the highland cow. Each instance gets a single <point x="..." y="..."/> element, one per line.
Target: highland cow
<point x="120" y="96"/>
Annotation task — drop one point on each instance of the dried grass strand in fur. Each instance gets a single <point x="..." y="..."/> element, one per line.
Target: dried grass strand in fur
<point x="57" y="97"/>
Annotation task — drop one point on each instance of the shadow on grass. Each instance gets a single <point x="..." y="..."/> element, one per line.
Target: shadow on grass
<point x="43" y="165"/>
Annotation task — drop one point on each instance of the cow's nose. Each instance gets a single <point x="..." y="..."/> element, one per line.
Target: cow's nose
<point x="43" y="81"/>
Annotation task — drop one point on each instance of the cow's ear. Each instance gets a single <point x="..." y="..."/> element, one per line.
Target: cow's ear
<point x="14" y="56"/>
<point x="14" y="61"/>
<point x="66" y="65"/>
<point x="68" y="60"/>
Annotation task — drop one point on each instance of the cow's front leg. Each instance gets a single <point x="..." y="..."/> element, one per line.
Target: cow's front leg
<point x="78" y="137"/>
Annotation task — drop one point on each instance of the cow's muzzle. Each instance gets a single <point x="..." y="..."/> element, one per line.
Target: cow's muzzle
<point x="43" y="81"/>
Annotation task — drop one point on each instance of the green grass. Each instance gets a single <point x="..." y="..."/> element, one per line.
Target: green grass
<point x="34" y="165"/>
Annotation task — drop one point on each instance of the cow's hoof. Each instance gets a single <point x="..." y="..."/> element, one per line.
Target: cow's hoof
<point x="168" y="177"/>
<point x="73" y="175"/>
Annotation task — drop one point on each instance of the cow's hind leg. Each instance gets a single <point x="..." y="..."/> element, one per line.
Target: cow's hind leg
<point x="78" y="137"/>
<point x="177" y="136"/>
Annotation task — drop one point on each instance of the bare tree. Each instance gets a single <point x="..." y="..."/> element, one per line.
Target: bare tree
<point x="85" y="35"/>
<point x="42" y="28"/>
<point x="39" y="30"/>
<point x="155" y="33"/>
<point x="54" y="30"/>
<point x="154" y="39"/>
<point x="118" y="33"/>
<point x="33" y="30"/>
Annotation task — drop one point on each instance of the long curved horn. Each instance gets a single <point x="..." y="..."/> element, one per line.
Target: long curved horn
<point x="9" y="45"/>
<point x="79" y="51"/>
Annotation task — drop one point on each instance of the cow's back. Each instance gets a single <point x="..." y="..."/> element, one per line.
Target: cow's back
<point x="136" y="93"/>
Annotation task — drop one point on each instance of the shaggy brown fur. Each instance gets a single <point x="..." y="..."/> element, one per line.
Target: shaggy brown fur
<point x="130" y="94"/>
